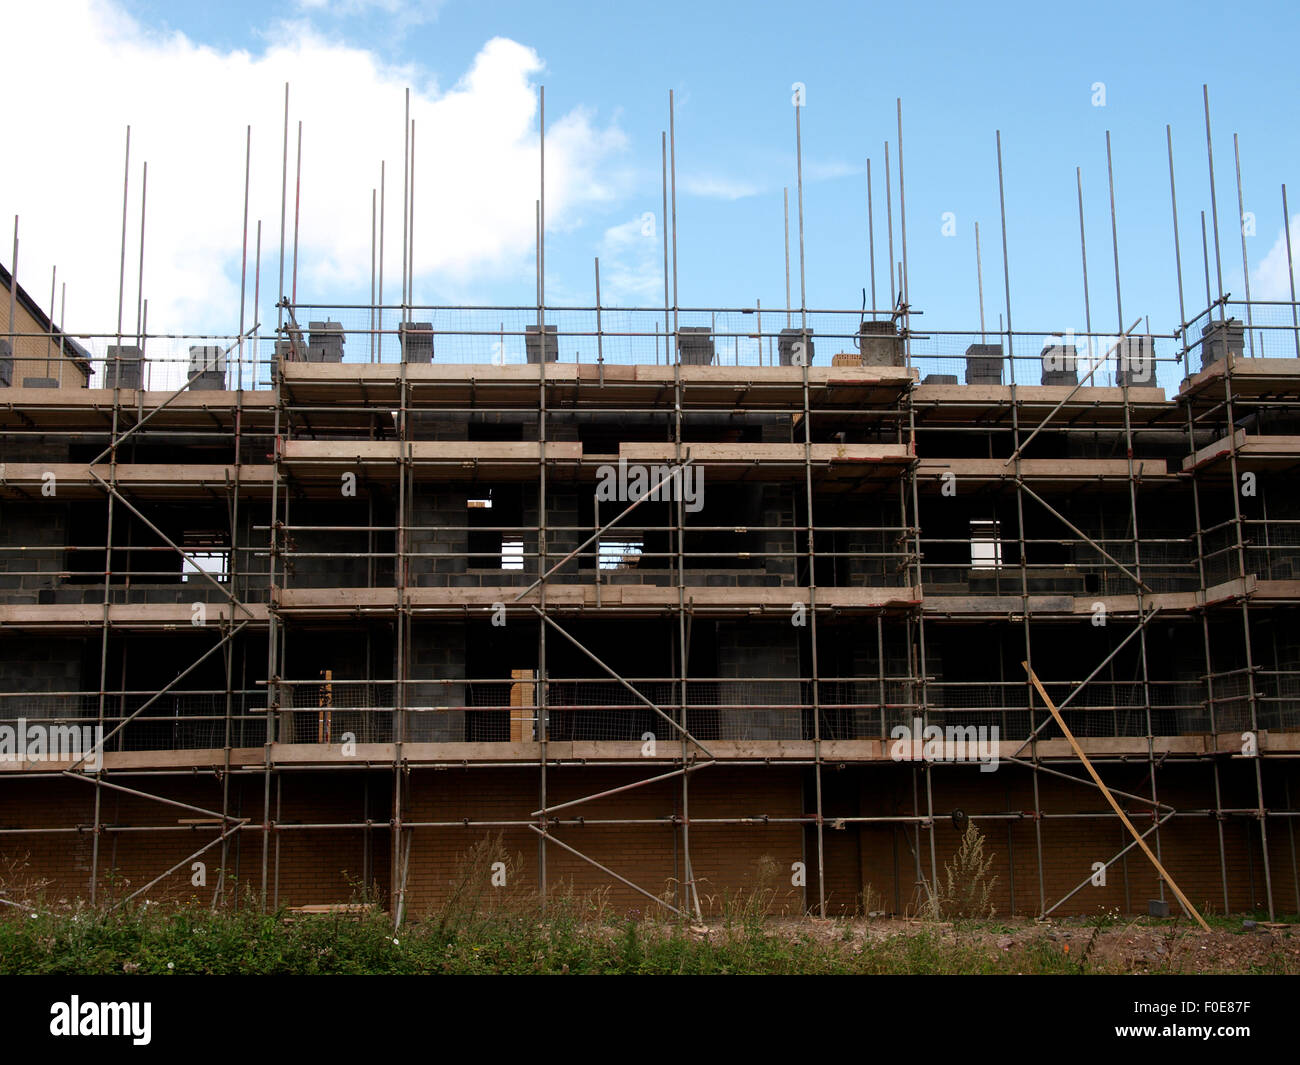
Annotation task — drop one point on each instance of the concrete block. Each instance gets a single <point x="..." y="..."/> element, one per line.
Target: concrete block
<point x="417" y="341"/>
<point x="940" y="379"/>
<point x="325" y="341"/>
<point x="984" y="364"/>
<point x="695" y="345"/>
<point x="291" y="349"/>
<point x="1135" y="359"/>
<point x="540" y="349"/>
<point x="880" y="344"/>
<point x="1220" y="339"/>
<point x="123" y="366"/>
<point x="40" y="382"/>
<point x="1060" y="364"/>
<point x="795" y="347"/>
<point x="207" y="371"/>
<point x="444" y="726"/>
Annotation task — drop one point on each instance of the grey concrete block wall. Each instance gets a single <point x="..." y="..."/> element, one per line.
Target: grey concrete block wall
<point x="40" y="530"/>
<point x="255" y="448"/>
<point x="504" y="425"/>
<point x="35" y="448"/>
<point x="892" y="698"/>
<point x="561" y="517"/>
<point x="438" y="549"/>
<point x="778" y="544"/>
<point x="253" y="559"/>
<point x="35" y="667"/>
<point x="37" y="574"/>
<point x="777" y="429"/>
<point x="751" y="651"/>
<point x="329" y="566"/>
<point x="558" y="429"/>
<point x="872" y="561"/>
<point x="436" y="708"/>
<point x="421" y="425"/>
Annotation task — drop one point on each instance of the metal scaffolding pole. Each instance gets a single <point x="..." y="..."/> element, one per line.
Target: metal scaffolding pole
<point x="1252" y="693"/>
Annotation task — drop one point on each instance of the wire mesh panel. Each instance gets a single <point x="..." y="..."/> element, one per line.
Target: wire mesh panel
<point x="168" y="363"/>
<point x="1231" y="702"/>
<point x="146" y="721"/>
<point x="1260" y="329"/>
<point x="332" y="711"/>
<point x="506" y="336"/>
<point x="1031" y="358"/>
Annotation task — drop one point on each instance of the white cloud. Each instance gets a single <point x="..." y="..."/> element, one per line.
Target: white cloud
<point x="1271" y="278"/>
<point x="631" y="263"/>
<point x="476" y="174"/>
<point x="719" y="188"/>
<point x="829" y="170"/>
<point x="406" y="12"/>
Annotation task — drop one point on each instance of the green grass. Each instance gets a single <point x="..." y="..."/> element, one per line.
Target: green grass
<point x="193" y="939"/>
<point x="479" y="929"/>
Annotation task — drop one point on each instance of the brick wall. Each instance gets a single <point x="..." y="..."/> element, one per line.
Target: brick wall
<point x="36" y="355"/>
<point x="320" y="866"/>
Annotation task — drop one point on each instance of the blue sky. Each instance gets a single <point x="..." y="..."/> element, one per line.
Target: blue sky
<point x="963" y="71"/>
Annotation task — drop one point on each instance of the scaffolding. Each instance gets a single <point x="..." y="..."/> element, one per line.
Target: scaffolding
<point x="468" y="538"/>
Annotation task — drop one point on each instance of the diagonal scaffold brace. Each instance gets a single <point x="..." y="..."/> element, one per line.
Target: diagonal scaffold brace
<point x="1119" y="812"/>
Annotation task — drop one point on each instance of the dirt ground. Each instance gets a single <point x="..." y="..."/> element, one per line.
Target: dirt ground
<point x="1137" y="945"/>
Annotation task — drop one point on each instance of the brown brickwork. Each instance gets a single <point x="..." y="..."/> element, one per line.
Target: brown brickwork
<point x="313" y="865"/>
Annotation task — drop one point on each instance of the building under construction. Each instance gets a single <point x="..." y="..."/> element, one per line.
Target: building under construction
<point x="654" y="594"/>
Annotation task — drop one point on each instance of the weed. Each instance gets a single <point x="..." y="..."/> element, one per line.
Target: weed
<point x="965" y="889"/>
